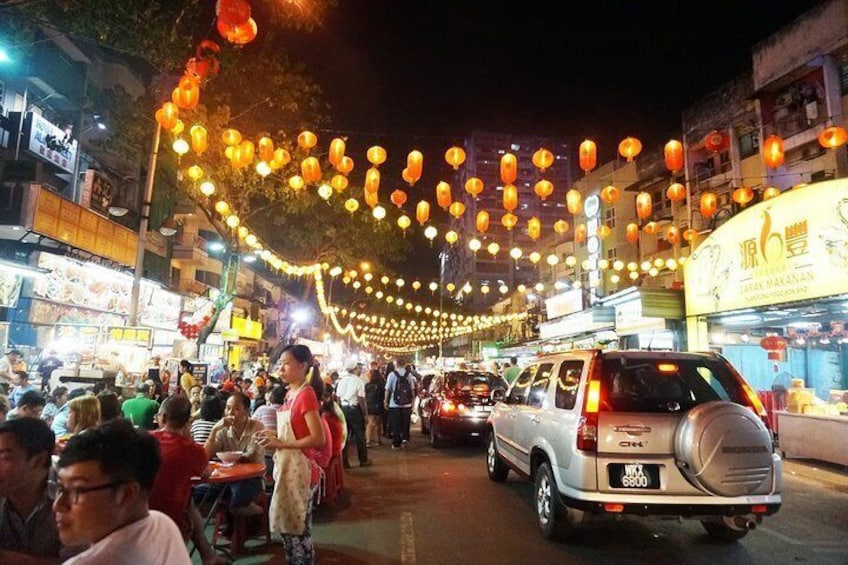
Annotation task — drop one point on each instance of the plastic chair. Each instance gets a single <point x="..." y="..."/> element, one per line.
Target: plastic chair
<point x="332" y="481"/>
<point x="241" y="525"/>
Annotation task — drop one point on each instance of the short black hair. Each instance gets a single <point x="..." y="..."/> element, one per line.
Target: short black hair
<point x="22" y="375"/>
<point x="177" y="410"/>
<point x="76" y="393"/>
<point x="241" y="397"/>
<point x="124" y="453"/>
<point x="278" y="394"/>
<point x="58" y="392"/>
<point x="31" y="398"/>
<point x="15" y="352"/>
<point x="110" y="405"/>
<point x="513" y="360"/>
<point x="185" y="364"/>
<point x="33" y="434"/>
<point x="211" y="409"/>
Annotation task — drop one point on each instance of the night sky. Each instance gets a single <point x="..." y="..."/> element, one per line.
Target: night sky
<point x="410" y="74"/>
<point x="409" y="69"/>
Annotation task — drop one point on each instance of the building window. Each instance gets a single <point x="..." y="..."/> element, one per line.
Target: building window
<point x="208" y="278"/>
<point x="749" y="145"/>
<point x="611" y="254"/>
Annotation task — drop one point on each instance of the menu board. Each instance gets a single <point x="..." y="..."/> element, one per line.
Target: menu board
<point x="200" y="372"/>
<point x="125" y="335"/>
<point x="69" y="222"/>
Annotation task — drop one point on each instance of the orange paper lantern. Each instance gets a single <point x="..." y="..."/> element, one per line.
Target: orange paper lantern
<point x="673" y="153"/>
<point x="231" y="137"/>
<point x="676" y="192"/>
<point x="376" y="155"/>
<point x="233" y="12"/>
<point x="672" y="234"/>
<point x="242" y="34"/>
<point x="455" y="156"/>
<point x="339" y="183"/>
<point x="610" y="194"/>
<point x="345" y="165"/>
<point x="574" y="201"/>
<point x="544" y="188"/>
<point x="422" y="212"/>
<point x="310" y="169"/>
<point x="414" y="166"/>
<point x="588" y="155"/>
<point x="443" y="195"/>
<point x="629" y="148"/>
<point x="199" y="141"/>
<point x="833" y="137"/>
<point x="542" y="159"/>
<point x="631" y="232"/>
<point x="742" y="195"/>
<point x="187" y="93"/>
<point x="372" y="180"/>
<point x="509" y="220"/>
<point x="561" y="227"/>
<point x="534" y="228"/>
<point x="773" y="153"/>
<point x="306" y="140"/>
<point x="168" y="115"/>
<point x="709" y="204"/>
<point x="474" y="186"/>
<point x="266" y="149"/>
<point x="651" y="228"/>
<point x="372" y="198"/>
<point x="604" y="231"/>
<point x="337" y="151"/>
<point x="509" y="168"/>
<point x="644" y="205"/>
<point x="580" y="233"/>
<point x="690" y="235"/>
<point x="510" y="197"/>
<point x="456" y="209"/>
<point x="770" y="192"/>
<point x="398" y="197"/>
<point x="482" y="221"/>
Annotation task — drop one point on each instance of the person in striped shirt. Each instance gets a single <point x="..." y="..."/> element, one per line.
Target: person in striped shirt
<point x="211" y="411"/>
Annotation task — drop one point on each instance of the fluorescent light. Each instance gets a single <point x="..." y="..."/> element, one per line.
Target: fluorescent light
<point x="740" y="319"/>
<point x="22" y="269"/>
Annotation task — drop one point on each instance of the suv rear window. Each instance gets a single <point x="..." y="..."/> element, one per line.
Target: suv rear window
<point x="478" y="383"/>
<point x="665" y="385"/>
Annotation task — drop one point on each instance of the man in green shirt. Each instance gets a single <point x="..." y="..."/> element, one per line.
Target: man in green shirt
<point x="142" y="409"/>
<point x="512" y="371"/>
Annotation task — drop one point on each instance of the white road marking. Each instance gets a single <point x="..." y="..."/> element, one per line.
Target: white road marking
<point x="407" y="538"/>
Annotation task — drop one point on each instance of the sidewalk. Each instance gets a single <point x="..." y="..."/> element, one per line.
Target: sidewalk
<point x="834" y="476"/>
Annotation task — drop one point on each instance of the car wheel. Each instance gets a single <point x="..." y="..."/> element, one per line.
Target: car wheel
<point x="435" y="440"/>
<point x="722" y="532"/>
<point x="495" y="466"/>
<point x="547" y="501"/>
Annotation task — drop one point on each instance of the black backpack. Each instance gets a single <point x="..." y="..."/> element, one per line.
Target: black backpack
<point x="403" y="390"/>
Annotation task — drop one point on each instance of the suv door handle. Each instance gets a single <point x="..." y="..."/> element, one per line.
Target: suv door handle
<point x="632" y="429"/>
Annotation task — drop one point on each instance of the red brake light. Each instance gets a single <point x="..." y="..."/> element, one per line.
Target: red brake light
<point x="448" y="406"/>
<point x="587" y="427"/>
<point x="759" y="509"/>
<point x="610" y="507"/>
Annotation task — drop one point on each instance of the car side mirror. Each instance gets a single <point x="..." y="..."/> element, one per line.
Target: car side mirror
<point x="498" y="395"/>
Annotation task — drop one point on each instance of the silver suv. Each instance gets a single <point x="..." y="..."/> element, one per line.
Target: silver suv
<point x="646" y="433"/>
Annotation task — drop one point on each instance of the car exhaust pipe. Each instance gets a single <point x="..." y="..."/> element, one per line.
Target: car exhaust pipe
<point x="743" y="523"/>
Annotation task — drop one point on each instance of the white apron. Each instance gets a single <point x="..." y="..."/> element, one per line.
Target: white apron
<point x="292" y="482"/>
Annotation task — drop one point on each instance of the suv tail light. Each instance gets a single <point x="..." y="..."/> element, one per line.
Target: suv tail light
<point x="587" y="427"/>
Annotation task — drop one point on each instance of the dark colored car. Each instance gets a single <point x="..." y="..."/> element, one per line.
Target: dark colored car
<point x="458" y="403"/>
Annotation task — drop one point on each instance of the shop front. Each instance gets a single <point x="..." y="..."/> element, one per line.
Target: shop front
<point x="581" y="330"/>
<point x="768" y="289"/>
<point x="648" y="318"/>
<point x="245" y="341"/>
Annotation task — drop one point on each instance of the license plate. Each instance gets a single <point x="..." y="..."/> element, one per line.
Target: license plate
<point x="634" y="475"/>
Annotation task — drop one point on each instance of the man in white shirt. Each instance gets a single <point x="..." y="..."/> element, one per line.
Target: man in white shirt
<point x="101" y="498"/>
<point x="350" y="390"/>
<point x="8" y="364"/>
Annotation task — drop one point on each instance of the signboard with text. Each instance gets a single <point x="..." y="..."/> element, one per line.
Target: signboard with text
<point x="126" y="335"/>
<point x="793" y="247"/>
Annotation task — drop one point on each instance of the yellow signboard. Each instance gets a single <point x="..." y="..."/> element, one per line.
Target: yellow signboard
<point x="247" y="328"/>
<point x="793" y="247"/>
<point x="142" y="337"/>
<point x="79" y="227"/>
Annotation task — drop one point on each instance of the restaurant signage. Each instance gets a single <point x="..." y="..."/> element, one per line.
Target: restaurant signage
<point x="50" y="143"/>
<point x="126" y="335"/>
<point x="793" y="247"/>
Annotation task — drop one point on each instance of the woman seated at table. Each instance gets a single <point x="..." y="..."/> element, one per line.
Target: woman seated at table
<point x="235" y="432"/>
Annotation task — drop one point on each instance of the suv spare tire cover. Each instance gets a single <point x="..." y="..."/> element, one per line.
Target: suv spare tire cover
<point x="725" y="449"/>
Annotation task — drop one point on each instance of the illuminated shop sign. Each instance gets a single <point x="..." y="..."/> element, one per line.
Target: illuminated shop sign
<point x="793" y="247"/>
<point x="50" y="143"/>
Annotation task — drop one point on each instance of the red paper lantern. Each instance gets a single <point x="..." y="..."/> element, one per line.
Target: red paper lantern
<point x="709" y="204"/>
<point x="510" y="197"/>
<point x="544" y="188"/>
<point x="482" y="221"/>
<point x="509" y="168"/>
<point x="716" y="141"/>
<point x="398" y="198"/>
<point x="629" y="148"/>
<point x="833" y="137"/>
<point x="773" y="343"/>
<point x="574" y="201"/>
<point x="474" y="186"/>
<point x="644" y="205"/>
<point x="672" y="234"/>
<point x="443" y="195"/>
<point x="631" y="232"/>
<point x="743" y="195"/>
<point x="610" y="194"/>
<point x="676" y="192"/>
<point x="187" y="93"/>
<point x="233" y="12"/>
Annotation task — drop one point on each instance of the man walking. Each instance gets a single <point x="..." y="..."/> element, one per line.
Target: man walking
<point x="350" y="391"/>
<point x="400" y="395"/>
<point x="512" y="372"/>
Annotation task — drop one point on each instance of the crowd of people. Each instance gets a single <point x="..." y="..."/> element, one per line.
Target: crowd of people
<point x="83" y="471"/>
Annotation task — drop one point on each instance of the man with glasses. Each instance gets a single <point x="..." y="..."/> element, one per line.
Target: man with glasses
<point x="101" y="497"/>
<point x="27" y="529"/>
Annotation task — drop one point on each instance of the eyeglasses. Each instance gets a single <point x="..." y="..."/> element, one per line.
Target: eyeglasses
<point x="55" y="490"/>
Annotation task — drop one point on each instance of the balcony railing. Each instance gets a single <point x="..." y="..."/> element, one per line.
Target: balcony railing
<point x="788" y="123"/>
